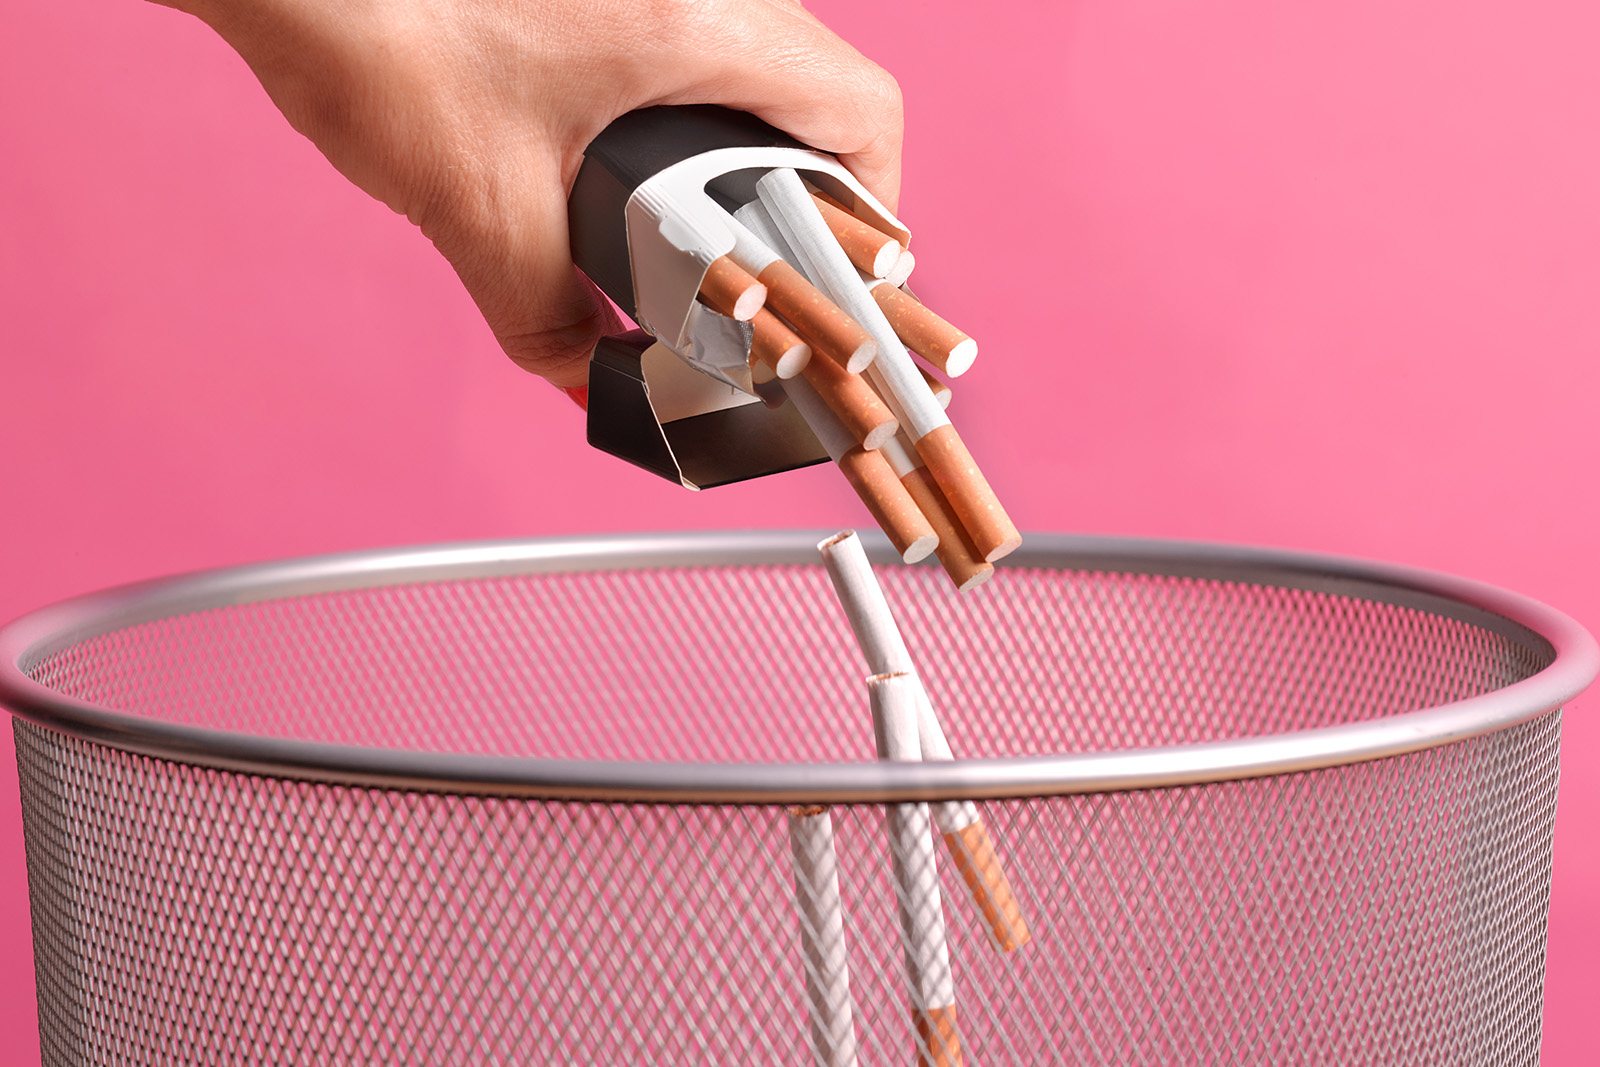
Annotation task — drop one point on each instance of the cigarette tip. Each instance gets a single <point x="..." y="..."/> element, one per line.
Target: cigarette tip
<point x="886" y="259"/>
<point x="977" y="578"/>
<point x="921" y="548"/>
<point x="902" y="269"/>
<point x="862" y="357"/>
<point x="749" y="302"/>
<point x="838" y="538"/>
<point x="793" y="361"/>
<point x="1003" y="549"/>
<point x="961" y="358"/>
<point x="879" y="436"/>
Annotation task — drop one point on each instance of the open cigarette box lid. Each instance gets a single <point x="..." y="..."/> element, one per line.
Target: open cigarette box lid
<point x="646" y="216"/>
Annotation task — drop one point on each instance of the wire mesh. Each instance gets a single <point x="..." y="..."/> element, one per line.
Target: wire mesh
<point x="1391" y="911"/>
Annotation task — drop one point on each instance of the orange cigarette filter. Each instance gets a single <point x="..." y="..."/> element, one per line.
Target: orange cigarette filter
<point x="818" y="319"/>
<point x="777" y="348"/>
<point x="849" y="397"/>
<point x="925" y="332"/>
<point x="957" y="554"/>
<point x="868" y="247"/>
<point x="939" y="389"/>
<point x="938" y="1037"/>
<point x="975" y="505"/>
<point x="973" y="850"/>
<point x="729" y="290"/>
<point x="891" y="506"/>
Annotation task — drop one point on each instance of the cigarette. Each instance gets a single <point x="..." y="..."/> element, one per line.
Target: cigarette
<point x="869" y="475"/>
<point x="925" y="332"/>
<point x="901" y="272"/>
<point x="975" y="505"/>
<point x="795" y="213"/>
<point x="957" y="554"/>
<point x="927" y="955"/>
<point x="973" y="850"/>
<point x="757" y="249"/>
<point x="852" y="400"/>
<point x="872" y="622"/>
<point x="940" y="389"/>
<point x="776" y="347"/>
<point x="868" y="247"/>
<point x="892" y="508"/>
<point x="729" y="290"/>
<point x="821" y="915"/>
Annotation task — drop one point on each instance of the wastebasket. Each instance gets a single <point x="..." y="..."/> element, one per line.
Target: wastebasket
<point x="525" y="803"/>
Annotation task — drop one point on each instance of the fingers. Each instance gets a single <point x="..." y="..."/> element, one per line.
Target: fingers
<point x="781" y="64"/>
<point x="506" y="237"/>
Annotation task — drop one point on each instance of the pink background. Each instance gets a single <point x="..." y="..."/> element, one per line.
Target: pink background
<point x="1317" y="276"/>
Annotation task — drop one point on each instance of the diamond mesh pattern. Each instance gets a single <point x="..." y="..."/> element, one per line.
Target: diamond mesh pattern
<point x="1384" y="912"/>
<point x="757" y="664"/>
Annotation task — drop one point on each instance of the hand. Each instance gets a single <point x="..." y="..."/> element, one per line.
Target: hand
<point x="470" y="118"/>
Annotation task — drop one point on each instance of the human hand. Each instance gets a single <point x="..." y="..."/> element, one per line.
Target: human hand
<point x="470" y="118"/>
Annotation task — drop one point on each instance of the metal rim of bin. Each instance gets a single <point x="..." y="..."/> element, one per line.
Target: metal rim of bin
<point x="33" y="637"/>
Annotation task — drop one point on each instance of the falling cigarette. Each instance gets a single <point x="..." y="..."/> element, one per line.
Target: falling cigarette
<point x="821" y="914"/>
<point x="925" y="332"/>
<point x="927" y="956"/>
<point x="956" y="552"/>
<point x="974" y="502"/>
<point x="872" y="622"/>
<point x="868" y="247"/>
<point x="869" y="475"/>
<point x="776" y="347"/>
<point x="852" y="400"/>
<point x="729" y="290"/>
<point x="816" y="318"/>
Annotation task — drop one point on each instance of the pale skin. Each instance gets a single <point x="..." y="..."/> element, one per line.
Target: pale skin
<point x="470" y="118"/>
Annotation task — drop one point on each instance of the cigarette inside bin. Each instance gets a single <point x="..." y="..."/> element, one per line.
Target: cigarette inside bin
<point x="822" y="942"/>
<point x="930" y="984"/>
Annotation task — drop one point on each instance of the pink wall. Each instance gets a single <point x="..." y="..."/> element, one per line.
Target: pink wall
<point x="1319" y="276"/>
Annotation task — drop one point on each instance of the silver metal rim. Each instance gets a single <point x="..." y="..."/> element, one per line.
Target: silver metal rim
<point x="35" y="636"/>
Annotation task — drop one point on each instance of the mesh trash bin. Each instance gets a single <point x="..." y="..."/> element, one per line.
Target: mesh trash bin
<point x="525" y="803"/>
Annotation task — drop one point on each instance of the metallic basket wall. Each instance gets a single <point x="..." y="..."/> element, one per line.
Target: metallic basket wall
<point x="526" y="804"/>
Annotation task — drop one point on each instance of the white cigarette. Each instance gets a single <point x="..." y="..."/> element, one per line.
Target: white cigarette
<point x="821" y="914"/>
<point x="796" y="215"/>
<point x="882" y="646"/>
<point x="892" y="372"/>
<point x="867" y="611"/>
<point x="929" y="983"/>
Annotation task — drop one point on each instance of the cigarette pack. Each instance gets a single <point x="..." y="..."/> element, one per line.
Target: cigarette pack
<point x="647" y="217"/>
